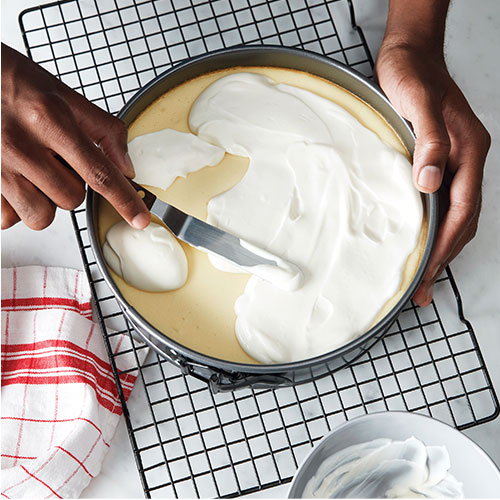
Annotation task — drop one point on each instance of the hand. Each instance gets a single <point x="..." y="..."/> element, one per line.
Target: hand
<point x="42" y="118"/>
<point x="450" y="150"/>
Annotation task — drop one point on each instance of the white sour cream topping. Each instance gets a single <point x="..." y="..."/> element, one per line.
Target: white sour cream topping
<point x="160" y="157"/>
<point x="321" y="191"/>
<point x="383" y="468"/>
<point x="284" y="275"/>
<point x="150" y="259"/>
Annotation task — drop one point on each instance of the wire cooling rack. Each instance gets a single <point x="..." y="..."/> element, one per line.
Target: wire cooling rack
<point x="186" y="440"/>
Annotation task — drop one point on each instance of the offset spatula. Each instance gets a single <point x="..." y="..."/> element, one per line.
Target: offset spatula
<point x="213" y="240"/>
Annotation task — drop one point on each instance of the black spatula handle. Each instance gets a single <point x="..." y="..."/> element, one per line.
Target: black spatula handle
<point x="147" y="196"/>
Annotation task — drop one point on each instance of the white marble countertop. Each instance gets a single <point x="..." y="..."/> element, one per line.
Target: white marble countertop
<point x="472" y="51"/>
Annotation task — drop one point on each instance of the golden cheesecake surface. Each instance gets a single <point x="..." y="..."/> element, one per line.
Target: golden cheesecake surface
<point x="200" y="315"/>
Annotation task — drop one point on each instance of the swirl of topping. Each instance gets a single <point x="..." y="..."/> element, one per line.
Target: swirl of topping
<point x="383" y="468"/>
<point x="321" y="191"/>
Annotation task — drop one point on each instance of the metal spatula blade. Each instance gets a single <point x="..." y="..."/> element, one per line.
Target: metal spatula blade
<point x="213" y="240"/>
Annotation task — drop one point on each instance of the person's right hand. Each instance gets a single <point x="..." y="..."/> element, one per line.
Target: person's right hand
<point x="42" y="118"/>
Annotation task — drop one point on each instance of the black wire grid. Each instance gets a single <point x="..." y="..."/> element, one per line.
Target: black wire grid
<point x="187" y="441"/>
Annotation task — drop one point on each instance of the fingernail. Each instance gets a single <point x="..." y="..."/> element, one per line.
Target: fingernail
<point x="429" y="178"/>
<point x="142" y="220"/>
<point x="130" y="166"/>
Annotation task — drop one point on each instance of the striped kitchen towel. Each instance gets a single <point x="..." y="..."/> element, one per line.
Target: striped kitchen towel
<point x="60" y="405"/>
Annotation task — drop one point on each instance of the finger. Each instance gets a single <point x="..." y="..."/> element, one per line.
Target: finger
<point x="61" y="184"/>
<point x="467" y="158"/>
<point x="462" y="213"/>
<point x="424" y="294"/>
<point x="31" y="205"/>
<point x="38" y="165"/>
<point x="67" y="139"/>
<point x="459" y="224"/>
<point x="105" y="130"/>
<point x="9" y="216"/>
<point x="466" y="238"/>
<point x="432" y="144"/>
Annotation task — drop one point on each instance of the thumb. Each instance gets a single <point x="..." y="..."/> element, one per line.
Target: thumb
<point x="432" y="145"/>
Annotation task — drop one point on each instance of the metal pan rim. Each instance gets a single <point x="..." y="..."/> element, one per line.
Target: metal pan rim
<point x="244" y="55"/>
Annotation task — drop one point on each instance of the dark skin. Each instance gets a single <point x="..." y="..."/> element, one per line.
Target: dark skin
<point x="449" y="137"/>
<point x="41" y="118"/>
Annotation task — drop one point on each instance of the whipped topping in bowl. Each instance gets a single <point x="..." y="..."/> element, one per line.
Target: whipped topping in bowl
<point x="383" y="468"/>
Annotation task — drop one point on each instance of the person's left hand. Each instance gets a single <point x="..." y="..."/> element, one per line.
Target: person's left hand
<point x="450" y="150"/>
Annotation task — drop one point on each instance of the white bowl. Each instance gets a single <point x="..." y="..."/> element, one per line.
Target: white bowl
<point x="469" y="463"/>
